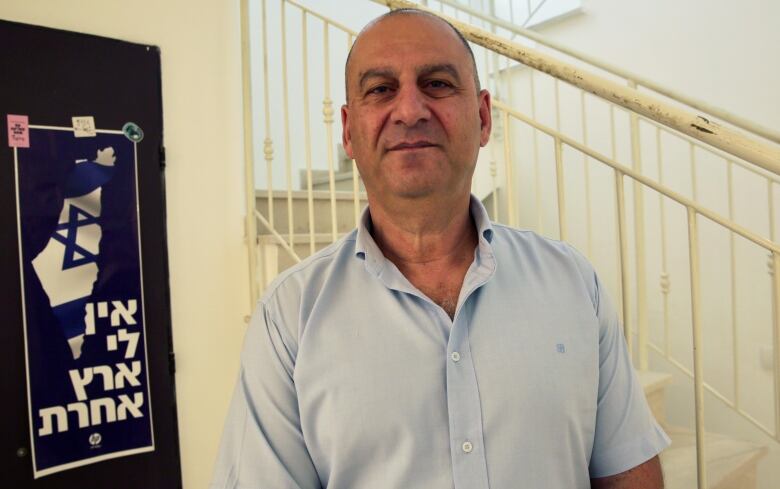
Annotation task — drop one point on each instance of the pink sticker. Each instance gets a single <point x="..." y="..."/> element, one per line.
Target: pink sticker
<point x="18" y="131"/>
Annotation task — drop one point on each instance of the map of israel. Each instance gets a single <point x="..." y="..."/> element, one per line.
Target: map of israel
<point x="67" y="267"/>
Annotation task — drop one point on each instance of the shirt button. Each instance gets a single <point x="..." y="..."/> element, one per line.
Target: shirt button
<point x="455" y="356"/>
<point x="467" y="447"/>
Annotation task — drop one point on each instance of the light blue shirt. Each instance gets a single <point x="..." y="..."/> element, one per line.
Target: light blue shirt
<point x="351" y="378"/>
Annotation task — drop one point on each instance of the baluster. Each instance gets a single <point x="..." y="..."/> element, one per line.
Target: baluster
<point x="622" y="260"/>
<point x="327" y="112"/>
<point x="698" y="373"/>
<point x="665" y="281"/>
<point x="639" y="239"/>
<point x="510" y="180"/>
<point x="560" y="190"/>
<point x="307" y="130"/>
<point x="776" y="337"/>
<point x="287" y="148"/>
<point x="586" y="166"/>
<point x="733" y="268"/>
<point x="250" y="224"/>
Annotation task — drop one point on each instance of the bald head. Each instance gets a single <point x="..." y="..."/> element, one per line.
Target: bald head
<point x="409" y="12"/>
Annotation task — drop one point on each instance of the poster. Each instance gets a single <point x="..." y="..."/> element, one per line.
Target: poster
<point x="82" y="292"/>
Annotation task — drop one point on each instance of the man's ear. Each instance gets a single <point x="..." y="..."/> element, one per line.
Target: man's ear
<point x="346" y="134"/>
<point x="485" y="117"/>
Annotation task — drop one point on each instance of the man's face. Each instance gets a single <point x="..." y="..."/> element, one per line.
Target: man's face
<point x="414" y="121"/>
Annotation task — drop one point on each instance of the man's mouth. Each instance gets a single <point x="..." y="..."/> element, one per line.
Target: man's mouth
<point x="411" y="145"/>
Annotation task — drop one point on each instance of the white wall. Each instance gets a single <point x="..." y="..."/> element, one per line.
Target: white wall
<point x="720" y="51"/>
<point x="201" y="82"/>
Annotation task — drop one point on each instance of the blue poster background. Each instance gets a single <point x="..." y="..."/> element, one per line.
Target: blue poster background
<point x="45" y="178"/>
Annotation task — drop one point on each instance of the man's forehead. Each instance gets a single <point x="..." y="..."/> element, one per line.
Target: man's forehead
<point x="411" y="18"/>
<point x="406" y="37"/>
<point x="410" y="28"/>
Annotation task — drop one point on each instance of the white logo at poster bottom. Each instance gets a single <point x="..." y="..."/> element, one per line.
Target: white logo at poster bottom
<point x="95" y="439"/>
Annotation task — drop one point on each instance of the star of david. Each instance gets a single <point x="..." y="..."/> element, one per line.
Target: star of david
<point x="66" y="233"/>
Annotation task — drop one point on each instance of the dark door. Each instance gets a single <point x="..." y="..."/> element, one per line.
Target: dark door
<point x="86" y="354"/>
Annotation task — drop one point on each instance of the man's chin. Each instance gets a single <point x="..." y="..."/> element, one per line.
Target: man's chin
<point x="414" y="193"/>
<point x="415" y="190"/>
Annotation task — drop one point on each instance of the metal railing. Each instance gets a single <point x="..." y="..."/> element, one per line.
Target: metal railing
<point x="631" y="79"/>
<point x="288" y="243"/>
<point x="693" y="211"/>
<point x="754" y="153"/>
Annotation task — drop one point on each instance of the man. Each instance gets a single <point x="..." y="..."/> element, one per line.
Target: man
<point x="430" y="348"/>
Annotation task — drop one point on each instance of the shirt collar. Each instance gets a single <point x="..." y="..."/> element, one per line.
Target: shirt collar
<point x="367" y="249"/>
<point x="365" y="246"/>
<point x="481" y="219"/>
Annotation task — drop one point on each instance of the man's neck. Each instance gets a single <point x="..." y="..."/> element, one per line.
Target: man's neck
<point x="418" y="233"/>
<point x="432" y="244"/>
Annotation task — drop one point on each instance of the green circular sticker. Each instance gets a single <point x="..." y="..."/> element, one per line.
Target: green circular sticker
<point x="133" y="132"/>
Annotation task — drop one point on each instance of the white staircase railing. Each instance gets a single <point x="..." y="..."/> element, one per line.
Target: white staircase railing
<point x="528" y="150"/>
<point x="630" y="79"/>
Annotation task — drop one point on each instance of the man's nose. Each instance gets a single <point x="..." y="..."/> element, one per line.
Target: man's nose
<point x="411" y="107"/>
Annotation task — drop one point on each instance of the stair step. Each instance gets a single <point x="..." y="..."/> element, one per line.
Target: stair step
<point x="731" y="463"/>
<point x="300" y="239"/>
<point x="301" y="246"/>
<point x="345" y="210"/>
<point x="343" y="181"/>
<point x="653" y="381"/>
<point x="653" y="384"/>
<point x="303" y="195"/>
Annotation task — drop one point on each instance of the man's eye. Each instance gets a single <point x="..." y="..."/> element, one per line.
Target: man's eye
<point x="380" y="90"/>
<point x="439" y="84"/>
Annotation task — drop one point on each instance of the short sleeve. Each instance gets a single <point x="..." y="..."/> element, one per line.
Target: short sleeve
<point x="626" y="435"/>
<point x="262" y="444"/>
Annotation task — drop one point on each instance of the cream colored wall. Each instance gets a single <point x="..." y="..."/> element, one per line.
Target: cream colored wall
<point x="719" y="51"/>
<point x="201" y="82"/>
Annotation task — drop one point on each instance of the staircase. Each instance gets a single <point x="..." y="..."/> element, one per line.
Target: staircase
<point x="276" y="258"/>
<point x="633" y="193"/>
<point x="343" y="176"/>
<point x="732" y="463"/>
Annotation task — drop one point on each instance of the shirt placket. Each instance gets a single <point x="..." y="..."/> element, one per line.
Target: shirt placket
<point x="467" y="447"/>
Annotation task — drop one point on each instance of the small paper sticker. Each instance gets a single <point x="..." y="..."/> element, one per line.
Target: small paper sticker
<point x="84" y="127"/>
<point x="18" y="131"/>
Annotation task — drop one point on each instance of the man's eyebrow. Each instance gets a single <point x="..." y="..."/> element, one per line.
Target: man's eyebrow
<point x="423" y="70"/>
<point x="430" y="69"/>
<point x="375" y="73"/>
